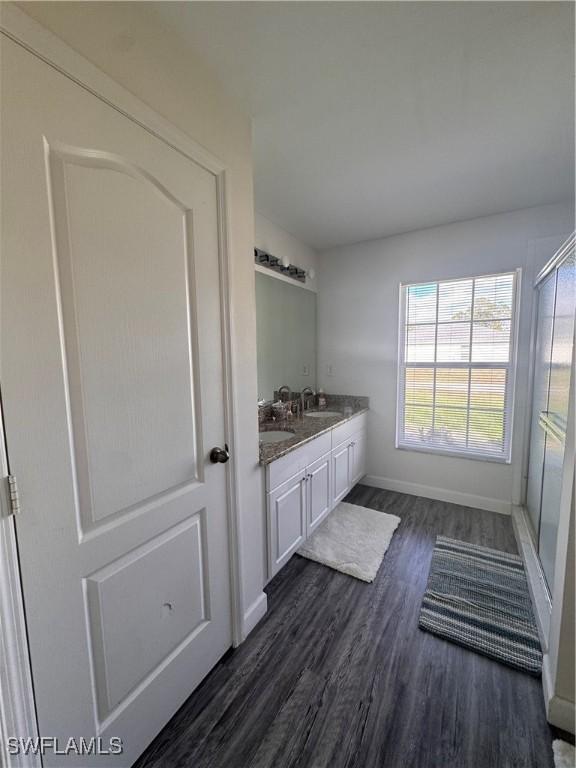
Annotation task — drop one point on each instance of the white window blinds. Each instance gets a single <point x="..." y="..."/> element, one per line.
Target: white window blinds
<point x="456" y="367"/>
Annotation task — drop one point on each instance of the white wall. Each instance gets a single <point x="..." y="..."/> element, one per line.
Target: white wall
<point x="127" y="42"/>
<point x="358" y="337"/>
<point x="276" y="241"/>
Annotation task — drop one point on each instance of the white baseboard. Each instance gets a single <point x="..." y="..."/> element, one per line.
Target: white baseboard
<point x="541" y="601"/>
<point x="559" y="712"/>
<point x="562" y="713"/>
<point x="547" y="687"/>
<point x="440" y="494"/>
<point x="253" y="615"/>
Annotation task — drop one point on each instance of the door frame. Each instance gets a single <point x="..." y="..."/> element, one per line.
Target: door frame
<point x="18" y="710"/>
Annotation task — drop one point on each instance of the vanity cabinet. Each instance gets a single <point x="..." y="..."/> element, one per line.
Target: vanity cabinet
<point x="295" y="509"/>
<point x="303" y="487"/>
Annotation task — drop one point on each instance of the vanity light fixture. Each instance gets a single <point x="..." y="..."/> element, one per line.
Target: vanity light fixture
<point x="283" y="266"/>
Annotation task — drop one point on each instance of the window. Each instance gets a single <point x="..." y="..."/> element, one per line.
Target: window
<point x="456" y="367"/>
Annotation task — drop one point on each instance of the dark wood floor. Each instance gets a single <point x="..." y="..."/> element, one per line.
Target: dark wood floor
<point x="339" y="675"/>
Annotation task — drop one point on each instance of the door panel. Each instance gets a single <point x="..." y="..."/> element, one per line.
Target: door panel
<point x="169" y="576"/>
<point x="358" y="456"/>
<point x="340" y="473"/>
<point x="362" y="453"/>
<point x="128" y="352"/>
<point x="287" y="515"/>
<point x="111" y="363"/>
<point x="319" y="492"/>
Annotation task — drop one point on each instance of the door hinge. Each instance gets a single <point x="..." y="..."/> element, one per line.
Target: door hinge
<point x="13" y="498"/>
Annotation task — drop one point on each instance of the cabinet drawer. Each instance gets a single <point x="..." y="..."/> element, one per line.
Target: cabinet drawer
<point x="345" y="431"/>
<point x="318" y="447"/>
<point x="277" y="472"/>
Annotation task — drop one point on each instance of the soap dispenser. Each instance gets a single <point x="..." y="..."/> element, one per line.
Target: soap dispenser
<point x="321" y="399"/>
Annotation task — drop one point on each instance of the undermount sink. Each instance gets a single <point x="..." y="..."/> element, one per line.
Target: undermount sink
<point x="321" y="414"/>
<point x="276" y="435"/>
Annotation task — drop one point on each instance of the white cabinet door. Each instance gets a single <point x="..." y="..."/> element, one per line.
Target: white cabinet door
<point x="340" y="472"/>
<point x="112" y="379"/>
<point x="319" y="492"/>
<point x="362" y="455"/>
<point x="287" y="521"/>
<point x="358" y="457"/>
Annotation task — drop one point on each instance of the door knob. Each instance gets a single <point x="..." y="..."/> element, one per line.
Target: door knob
<point x="220" y="455"/>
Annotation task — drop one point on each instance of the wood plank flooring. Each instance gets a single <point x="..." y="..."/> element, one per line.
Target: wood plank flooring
<point x="338" y="674"/>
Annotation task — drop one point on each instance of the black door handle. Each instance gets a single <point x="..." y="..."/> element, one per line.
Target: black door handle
<point x="220" y="455"/>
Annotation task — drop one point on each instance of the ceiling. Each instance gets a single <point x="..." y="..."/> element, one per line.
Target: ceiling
<point x="375" y="118"/>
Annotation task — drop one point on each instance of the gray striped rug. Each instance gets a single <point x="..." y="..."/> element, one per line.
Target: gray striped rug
<point x="478" y="597"/>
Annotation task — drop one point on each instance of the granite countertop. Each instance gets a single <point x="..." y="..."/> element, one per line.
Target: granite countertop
<point x="306" y="429"/>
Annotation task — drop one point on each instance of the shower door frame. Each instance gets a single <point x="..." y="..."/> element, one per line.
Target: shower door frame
<point x="545" y="272"/>
<point x="546" y="609"/>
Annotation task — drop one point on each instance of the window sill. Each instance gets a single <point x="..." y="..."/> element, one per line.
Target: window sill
<point x="454" y="454"/>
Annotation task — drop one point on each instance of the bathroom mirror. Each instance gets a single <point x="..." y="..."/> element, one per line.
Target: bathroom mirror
<point x="286" y="335"/>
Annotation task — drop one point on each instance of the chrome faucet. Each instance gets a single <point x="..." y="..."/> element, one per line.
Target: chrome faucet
<point x="284" y="389"/>
<point x="304" y="398"/>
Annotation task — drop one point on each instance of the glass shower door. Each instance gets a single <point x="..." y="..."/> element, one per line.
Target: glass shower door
<point x="555" y="420"/>
<point x="550" y="403"/>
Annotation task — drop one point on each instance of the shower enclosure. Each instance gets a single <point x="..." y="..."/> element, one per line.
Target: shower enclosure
<point x="551" y="408"/>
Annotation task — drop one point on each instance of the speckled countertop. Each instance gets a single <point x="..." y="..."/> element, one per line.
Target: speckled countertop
<point x="306" y="429"/>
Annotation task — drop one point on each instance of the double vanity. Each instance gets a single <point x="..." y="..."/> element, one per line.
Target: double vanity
<point x="310" y="462"/>
<point x="311" y="456"/>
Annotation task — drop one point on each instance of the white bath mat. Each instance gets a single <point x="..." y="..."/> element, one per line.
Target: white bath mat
<point x="352" y="539"/>
<point x="564" y="755"/>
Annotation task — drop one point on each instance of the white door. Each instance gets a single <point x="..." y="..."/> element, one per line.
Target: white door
<point x="287" y="516"/>
<point x="111" y="363"/>
<point x="319" y="495"/>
